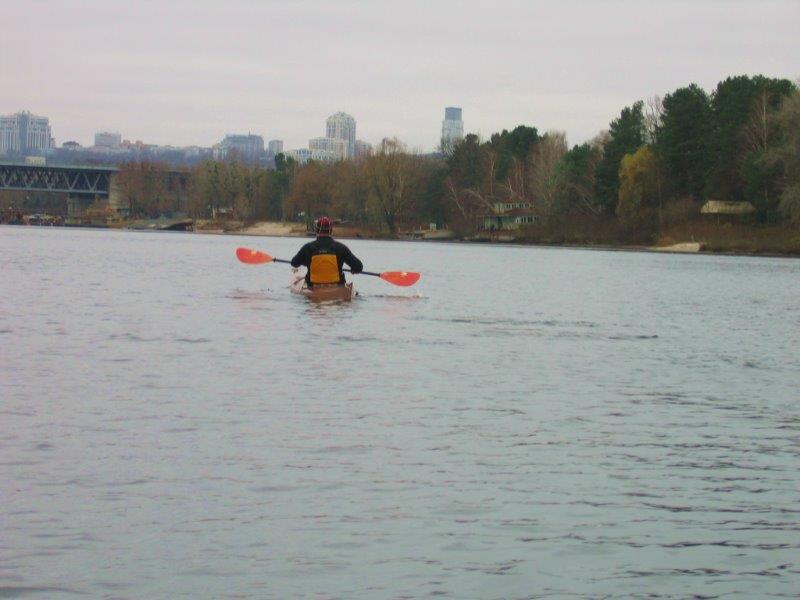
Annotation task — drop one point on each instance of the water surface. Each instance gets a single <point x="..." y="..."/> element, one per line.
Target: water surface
<point x="523" y="423"/>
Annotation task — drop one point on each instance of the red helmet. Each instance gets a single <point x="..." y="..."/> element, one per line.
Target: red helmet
<point x="323" y="225"/>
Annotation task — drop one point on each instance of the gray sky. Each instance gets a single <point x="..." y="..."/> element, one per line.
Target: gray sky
<point x="186" y="72"/>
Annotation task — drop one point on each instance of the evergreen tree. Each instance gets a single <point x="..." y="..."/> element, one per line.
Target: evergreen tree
<point x="579" y="166"/>
<point x="465" y="162"/>
<point x="683" y="140"/>
<point x="626" y="135"/>
<point x="508" y="146"/>
<point x="736" y="104"/>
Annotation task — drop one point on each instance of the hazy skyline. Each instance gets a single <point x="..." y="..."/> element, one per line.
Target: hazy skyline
<point x="188" y="72"/>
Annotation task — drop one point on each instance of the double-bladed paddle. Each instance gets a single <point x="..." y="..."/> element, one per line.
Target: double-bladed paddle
<point x="256" y="257"/>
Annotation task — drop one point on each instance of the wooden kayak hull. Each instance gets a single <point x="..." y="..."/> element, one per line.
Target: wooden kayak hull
<point x="323" y="293"/>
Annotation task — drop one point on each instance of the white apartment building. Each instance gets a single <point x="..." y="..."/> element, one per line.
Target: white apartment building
<point x="275" y="147"/>
<point x="107" y="139"/>
<point x="303" y="155"/>
<point x="342" y="126"/>
<point x="24" y="132"/>
<point x="336" y="147"/>
<point x="248" y="147"/>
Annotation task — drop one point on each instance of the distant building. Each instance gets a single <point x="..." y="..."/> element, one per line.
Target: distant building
<point x="342" y="126"/>
<point x="24" y="132"/>
<point x="363" y="148"/>
<point x="337" y="147"/>
<point x="137" y="146"/>
<point x="509" y="215"/>
<point x="727" y="211"/>
<point x="452" y="128"/>
<point x="303" y="155"/>
<point x="247" y="147"/>
<point x="275" y="147"/>
<point x="106" y="139"/>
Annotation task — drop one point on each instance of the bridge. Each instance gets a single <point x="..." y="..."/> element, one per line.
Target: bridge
<point x="83" y="184"/>
<point x="72" y="179"/>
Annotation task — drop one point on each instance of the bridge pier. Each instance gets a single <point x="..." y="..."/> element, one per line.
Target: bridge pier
<point x="77" y="203"/>
<point x="116" y="199"/>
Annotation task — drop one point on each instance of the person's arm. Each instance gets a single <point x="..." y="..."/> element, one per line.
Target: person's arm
<point x="351" y="261"/>
<point x="301" y="258"/>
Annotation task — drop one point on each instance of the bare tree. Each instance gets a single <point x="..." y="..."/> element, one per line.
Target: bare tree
<point x="653" y="112"/>
<point x="391" y="176"/>
<point x="754" y="134"/>
<point x="546" y="178"/>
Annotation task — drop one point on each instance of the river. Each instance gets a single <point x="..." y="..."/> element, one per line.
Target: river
<point x="523" y="423"/>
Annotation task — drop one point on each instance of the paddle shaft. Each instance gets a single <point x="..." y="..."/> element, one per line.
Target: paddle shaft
<point x="288" y="262"/>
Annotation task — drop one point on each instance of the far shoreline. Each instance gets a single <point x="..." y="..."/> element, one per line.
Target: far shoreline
<point x="683" y="248"/>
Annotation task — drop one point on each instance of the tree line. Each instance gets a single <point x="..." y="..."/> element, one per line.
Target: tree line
<point x="659" y="158"/>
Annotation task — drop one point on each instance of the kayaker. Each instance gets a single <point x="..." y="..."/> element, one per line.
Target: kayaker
<point x="325" y="257"/>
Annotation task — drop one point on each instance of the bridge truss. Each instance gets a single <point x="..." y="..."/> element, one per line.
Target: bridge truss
<point x="72" y="180"/>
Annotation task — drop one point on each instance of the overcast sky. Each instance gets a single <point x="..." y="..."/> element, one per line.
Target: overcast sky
<point x="186" y="72"/>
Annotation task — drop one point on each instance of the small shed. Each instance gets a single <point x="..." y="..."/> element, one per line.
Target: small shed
<point x="725" y="211"/>
<point x="722" y="207"/>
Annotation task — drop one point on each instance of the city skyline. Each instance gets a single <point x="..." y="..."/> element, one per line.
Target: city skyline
<point x="167" y="75"/>
<point x="113" y="138"/>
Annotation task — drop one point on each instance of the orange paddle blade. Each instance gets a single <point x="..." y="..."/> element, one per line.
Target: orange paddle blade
<point x="252" y="257"/>
<point x="403" y="278"/>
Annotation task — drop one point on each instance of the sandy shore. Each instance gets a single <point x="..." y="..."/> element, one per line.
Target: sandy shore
<point x="682" y="247"/>
<point x="274" y="228"/>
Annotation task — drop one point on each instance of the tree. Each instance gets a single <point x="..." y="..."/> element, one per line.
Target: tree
<point x="640" y="186"/>
<point x="391" y="174"/>
<point x="785" y="155"/>
<point x="280" y="182"/>
<point x="465" y="163"/>
<point x="546" y="172"/>
<point x="309" y="195"/>
<point x="510" y="160"/>
<point x="740" y="107"/>
<point x="626" y="134"/>
<point x="653" y="112"/>
<point x="472" y="182"/>
<point x="683" y="140"/>
<point x="205" y="190"/>
<point x="579" y="166"/>
<point x="144" y="187"/>
<point x="433" y="207"/>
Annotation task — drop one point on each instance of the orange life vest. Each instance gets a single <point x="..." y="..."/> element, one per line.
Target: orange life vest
<point x="324" y="269"/>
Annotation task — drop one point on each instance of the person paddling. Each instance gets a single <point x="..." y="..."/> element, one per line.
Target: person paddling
<point x="325" y="257"/>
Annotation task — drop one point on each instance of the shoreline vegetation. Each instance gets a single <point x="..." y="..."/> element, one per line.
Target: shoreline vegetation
<point x="699" y="238"/>
<point x="691" y="238"/>
<point x="690" y="172"/>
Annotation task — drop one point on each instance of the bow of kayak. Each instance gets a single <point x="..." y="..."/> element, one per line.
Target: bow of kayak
<point x="323" y="293"/>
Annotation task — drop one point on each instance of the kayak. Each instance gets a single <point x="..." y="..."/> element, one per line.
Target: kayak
<point x="323" y="292"/>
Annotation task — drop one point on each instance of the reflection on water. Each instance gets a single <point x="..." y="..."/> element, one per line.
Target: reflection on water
<point x="523" y="423"/>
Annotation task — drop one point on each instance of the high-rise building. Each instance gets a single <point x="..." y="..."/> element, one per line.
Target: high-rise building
<point x="275" y="147"/>
<point x="247" y="147"/>
<point x="342" y="126"/>
<point x="452" y="128"/>
<point x="107" y="139"/>
<point x="24" y="132"/>
<point x="363" y="148"/>
<point x="303" y="155"/>
<point x="335" y="146"/>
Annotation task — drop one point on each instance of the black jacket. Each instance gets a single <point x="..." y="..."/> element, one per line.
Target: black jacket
<point x="325" y="244"/>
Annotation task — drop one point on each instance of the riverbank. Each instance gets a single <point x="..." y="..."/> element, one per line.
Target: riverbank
<point x="690" y="237"/>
